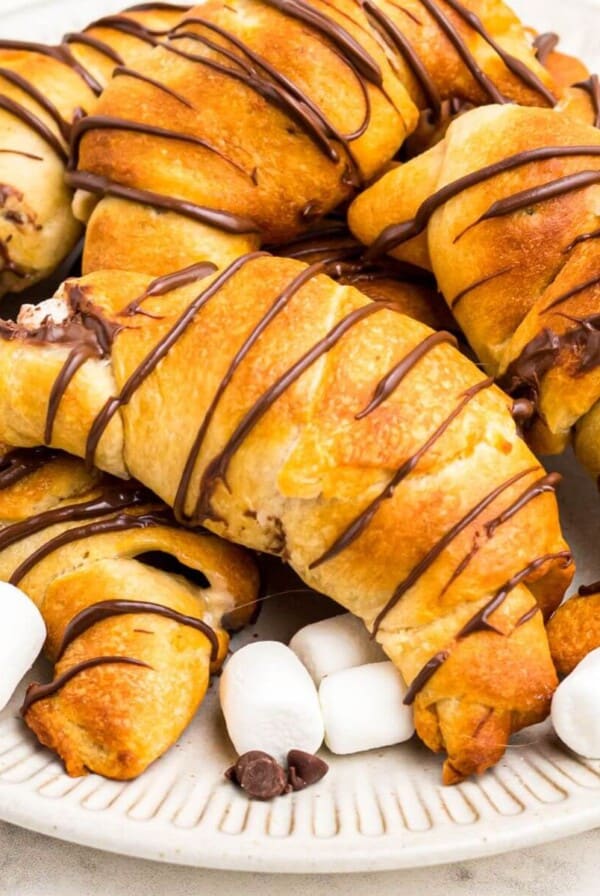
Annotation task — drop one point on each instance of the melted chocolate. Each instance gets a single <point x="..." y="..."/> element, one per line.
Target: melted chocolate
<point x="527" y="616"/>
<point x="158" y="7"/>
<point x="217" y="468"/>
<point x="26" y="155"/>
<point x="480" y="282"/>
<point x="582" y="238"/>
<point x="95" y="43"/>
<point x="150" y="362"/>
<point x="119" y="523"/>
<point x="61" y="53"/>
<point x="162" y="285"/>
<point x="479" y="622"/>
<point x="544" y="45"/>
<point x="592" y="87"/>
<point x="22" y="462"/>
<point x="360" y="523"/>
<point x="396" y="234"/>
<point x="588" y="590"/>
<point x="95" y="183"/>
<point x="107" y="609"/>
<point x="41" y="99"/>
<point x="36" y="124"/>
<point x="108" y="122"/>
<point x="132" y="73"/>
<point x="575" y="290"/>
<point x="546" y="483"/>
<point x="276" y="308"/>
<point x="36" y="692"/>
<point x="114" y="497"/>
<point x="440" y="546"/>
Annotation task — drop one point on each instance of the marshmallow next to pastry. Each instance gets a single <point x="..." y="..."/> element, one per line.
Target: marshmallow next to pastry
<point x="270" y="702"/>
<point x="334" y="644"/>
<point x="22" y="636"/>
<point x="576" y="708"/>
<point x="363" y="708"/>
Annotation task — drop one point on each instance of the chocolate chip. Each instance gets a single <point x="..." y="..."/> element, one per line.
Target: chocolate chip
<point x="305" y="769"/>
<point x="259" y="774"/>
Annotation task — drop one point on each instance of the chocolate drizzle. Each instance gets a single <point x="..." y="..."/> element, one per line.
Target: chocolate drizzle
<point x="480" y="282"/>
<point x="36" y="124"/>
<point x="22" y="462"/>
<point x="544" y="45"/>
<point x="217" y="468"/>
<point x="122" y="70"/>
<point x="37" y="692"/>
<point x="61" y="53"/>
<point x="592" y="87"/>
<point x="108" y="609"/>
<point x="150" y="362"/>
<point x="440" y="546"/>
<point x="480" y="621"/>
<point x="118" y="523"/>
<point x="41" y="99"/>
<point x="396" y="234"/>
<point x="546" y="483"/>
<point x="96" y="183"/>
<point x="162" y="285"/>
<point x="360" y="523"/>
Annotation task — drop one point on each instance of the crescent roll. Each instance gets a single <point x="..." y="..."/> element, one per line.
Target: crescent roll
<point x="510" y="229"/>
<point x="257" y="117"/>
<point x="133" y="604"/>
<point x="337" y="433"/>
<point x="43" y="90"/>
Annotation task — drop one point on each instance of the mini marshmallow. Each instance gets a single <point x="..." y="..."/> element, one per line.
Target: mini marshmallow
<point x="270" y="702"/>
<point x="22" y="636"/>
<point x="363" y="709"/>
<point x="334" y="644"/>
<point x="576" y="708"/>
<point x="33" y="316"/>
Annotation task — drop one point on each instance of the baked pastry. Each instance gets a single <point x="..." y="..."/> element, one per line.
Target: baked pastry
<point x="574" y="630"/>
<point x="133" y="606"/>
<point x="247" y="139"/>
<point x="510" y="230"/>
<point x="43" y="89"/>
<point x="336" y="432"/>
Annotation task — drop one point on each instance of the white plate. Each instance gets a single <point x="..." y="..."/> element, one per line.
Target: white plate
<point x="379" y="810"/>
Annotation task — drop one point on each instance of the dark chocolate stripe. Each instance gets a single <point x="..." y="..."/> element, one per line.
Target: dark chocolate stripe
<point x="589" y="590"/>
<point x="109" y="608"/>
<point x="360" y="523"/>
<point x="544" y="44"/>
<point x="592" y="87"/>
<point x="276" y="308"/>
<point x="22" y="462"/>
<point x="217" y="468"/>
<point x="32" y="91"/>
<point x="128" y="26"/>
<point x="534" y="195"/>
<point x="82" y="38"/>
<point x="397" y="40"/>
<point x="440" y="545"/>
<point x="26" y="155"/>
<point x="527" y="616"/>
<point x="390" y="382"/>
<point x="479" y="622"/>
<point x="158" y="7"/>
<point x="581" y="287"/>
<point x="112" y="498"/>
<point x="514" y="65"/>
<point x="159" y="351"/>
<point x="168" y="282"/>
<point x="95" y="183"/>
<point x="396" y="234"/>
<point x="122" y="70"/>
<point x="36" y="124"/>
<point x="37" y="692"/>
<point x="446" y="25"/>
<point x="546" y="483"/>
<point x="61" y="54"/>
<point x="582" y="238"/>
<point x="111" y="123"/>
<point x="77" y="357"/>
<point x="481" y="282"/>
<point x="118" y="523"/>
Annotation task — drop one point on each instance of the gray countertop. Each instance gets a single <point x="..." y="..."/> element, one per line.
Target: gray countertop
<point x="33" y="865"/>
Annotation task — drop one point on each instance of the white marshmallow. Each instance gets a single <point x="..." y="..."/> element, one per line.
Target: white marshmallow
<point x="363" y="708"/>
<point x="269" y="701"/>
<point x="22" y="636"/>
<point x="333" y="644"/>
<point x="576" y="709"/>
<point x="588" y="663"/>
<point x="33" y="316"/>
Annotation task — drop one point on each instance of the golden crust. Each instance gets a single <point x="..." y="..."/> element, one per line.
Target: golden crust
<point x="574" y="631"/>
<point x="309" y="467"/>
<point x="116" y="719"/>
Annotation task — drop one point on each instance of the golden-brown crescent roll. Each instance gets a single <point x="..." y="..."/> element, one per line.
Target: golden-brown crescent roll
<point x="574" y="630"/>
<point x="510" y="229"/>
<point x="338" y="433"/>
<point x="257" y="117"/>
<point x="132" y="603"/>
<point x="43" y="90"/>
